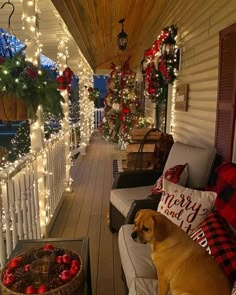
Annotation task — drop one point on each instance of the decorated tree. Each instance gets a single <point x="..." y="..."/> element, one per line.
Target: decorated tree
<point x="122" y="108"/>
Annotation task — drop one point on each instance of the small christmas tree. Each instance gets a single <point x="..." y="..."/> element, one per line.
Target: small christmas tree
<point x="122" y="108"/>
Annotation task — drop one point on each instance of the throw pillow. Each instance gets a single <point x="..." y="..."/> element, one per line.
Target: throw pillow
<point x="184" y="206"/>
<point x="218" y="239"/>
<point x="176" y="174"/>
<point x="225" y="187"/>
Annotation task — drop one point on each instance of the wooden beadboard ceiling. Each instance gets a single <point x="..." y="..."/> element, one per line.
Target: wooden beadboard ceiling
<point x="94" y="26"/>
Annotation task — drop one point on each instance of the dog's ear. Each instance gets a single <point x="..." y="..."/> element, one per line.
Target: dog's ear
<point x="161" y="227"/>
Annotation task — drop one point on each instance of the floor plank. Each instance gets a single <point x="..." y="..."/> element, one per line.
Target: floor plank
<point x="84" y="213"/>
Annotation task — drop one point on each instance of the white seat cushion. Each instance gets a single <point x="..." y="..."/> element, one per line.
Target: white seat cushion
<point x="122" y="198"/>
<point x="135" y="257"/>
<point x="142" y="286"/>
<point x="199" y="160"/>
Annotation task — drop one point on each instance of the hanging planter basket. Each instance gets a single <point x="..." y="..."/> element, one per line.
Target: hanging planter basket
<point x="12" y="108"/>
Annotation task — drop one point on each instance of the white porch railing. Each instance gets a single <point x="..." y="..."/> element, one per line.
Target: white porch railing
<point x="98" y="115"/>
<point x="23" y="214"/>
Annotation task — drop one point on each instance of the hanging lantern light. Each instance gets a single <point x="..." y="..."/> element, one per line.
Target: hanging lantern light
<point x="122" y="37"/>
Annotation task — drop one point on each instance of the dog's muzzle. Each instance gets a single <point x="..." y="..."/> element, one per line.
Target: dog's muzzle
<point x="134" y="235"/>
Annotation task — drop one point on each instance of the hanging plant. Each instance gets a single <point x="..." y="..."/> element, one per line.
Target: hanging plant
<point x="93" y="94"/>
<point x="65" y="79"/>
<point x="21" y="81"/>
<point x="161" y="64"/>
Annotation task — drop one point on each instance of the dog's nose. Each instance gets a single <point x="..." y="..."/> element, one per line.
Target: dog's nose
<point x="134" y="235"/>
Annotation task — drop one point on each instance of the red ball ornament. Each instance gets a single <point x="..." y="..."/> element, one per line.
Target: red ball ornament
<point x="74" y="270"/>
<point x="75" y="262"/>
<point x="15" y="262"/>
<point x="27" y="267"/>
<point x="8" y="279"/>
<point x="48" y="247"/>
<point x="42" y="289"/>
<point x="59" y="259"/>
<point x="151" y="90"/>
<point x="66" y="259"/>
<point x="30" y="290"/>
<point x="65" y="275"/>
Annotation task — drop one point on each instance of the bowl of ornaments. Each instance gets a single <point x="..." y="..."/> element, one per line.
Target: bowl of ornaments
<point x="47" y="270"/>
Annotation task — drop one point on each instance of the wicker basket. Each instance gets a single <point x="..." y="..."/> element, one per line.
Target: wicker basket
<point x="65" y="289"/>
<point x="12" y="108"/>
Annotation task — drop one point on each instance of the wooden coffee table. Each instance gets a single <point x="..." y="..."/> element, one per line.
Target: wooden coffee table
<point x="80" y="246"/>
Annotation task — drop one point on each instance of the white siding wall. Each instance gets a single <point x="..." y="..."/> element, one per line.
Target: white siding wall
<point x="198" y="23"/>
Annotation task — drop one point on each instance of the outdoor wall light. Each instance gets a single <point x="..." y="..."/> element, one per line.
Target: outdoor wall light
<point x="122" y="37"/>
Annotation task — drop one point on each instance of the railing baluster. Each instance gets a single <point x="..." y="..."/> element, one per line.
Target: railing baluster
<point x="18" y="207"/>
<point x="23" y="205"/>
<point x="11" y="192"/>
<point x="3" y="254"/>
<point x="7" y="218"/>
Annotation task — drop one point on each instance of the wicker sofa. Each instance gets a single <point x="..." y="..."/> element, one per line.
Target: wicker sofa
<point x="132" y="190"/>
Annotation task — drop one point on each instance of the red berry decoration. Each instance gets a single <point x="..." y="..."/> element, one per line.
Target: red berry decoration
<point x="48" y="247"/>
<point x="27" y="267"/>
<point x="66" y="259"/>
<point x="42" y="289"/>
<point x="74" y="270"/>
<point x="30" y="290"/>
<point x="66" y="275"/>
<point x="15" y="262"/>
<point x="59" y="259"/>
<point x="75" y="262"/>
<point x="6" y="272"/>
<point x="8" y="279"/>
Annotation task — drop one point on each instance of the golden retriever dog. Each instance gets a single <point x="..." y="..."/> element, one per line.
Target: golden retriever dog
<point x="183" y="267"/>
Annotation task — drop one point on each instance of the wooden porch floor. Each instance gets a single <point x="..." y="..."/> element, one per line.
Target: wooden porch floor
<point x="84" y="213"/>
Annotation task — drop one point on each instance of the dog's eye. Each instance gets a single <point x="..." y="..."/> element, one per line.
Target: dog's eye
<point x="144" y="228"/>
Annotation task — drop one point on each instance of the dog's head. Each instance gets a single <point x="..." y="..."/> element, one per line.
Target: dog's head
<point x="150" y="226"/>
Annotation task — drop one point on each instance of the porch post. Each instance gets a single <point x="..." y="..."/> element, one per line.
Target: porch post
<point x="62" y="62"/>
<point x="33" y="49"/>
<point x="85" y="74"/>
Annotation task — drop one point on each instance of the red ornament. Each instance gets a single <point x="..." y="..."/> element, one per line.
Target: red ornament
<point x="42" y="289"/>
<point x="48" y="247"/>
<point x="75" y="262"/>
<point x="125" y="110"/>
<point x="15" y="262"/>
<point x="151" y="90"/>
<point x="122" y="117"/>
<point x="27" y="267"/>
<point x="66" y="259"/>
<point x="8" y="279"/>
<point x="30" y="290"/>
<point x="65" y="275"/>
<point x="59" y="259"/>
<point x="74" y="270"/>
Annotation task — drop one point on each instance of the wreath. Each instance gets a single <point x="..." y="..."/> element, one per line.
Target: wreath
<point x="160" y="65"/>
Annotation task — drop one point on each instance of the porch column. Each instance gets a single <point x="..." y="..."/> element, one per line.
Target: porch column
<point x="31" y="29"/>
<point x="85" y="74"/>
<point x="62" y="56"/>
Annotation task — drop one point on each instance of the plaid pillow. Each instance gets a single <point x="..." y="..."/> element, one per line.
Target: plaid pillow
<point x="226" y="190"/>
<point x="177" y="174"/>
<point x="234" y="289"/>
<point x="218" y="239"/>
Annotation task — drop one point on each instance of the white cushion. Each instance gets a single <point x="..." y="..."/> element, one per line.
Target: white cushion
<point x="135" y="257"/>
<point x="184" y="206"/>
<point x="122" y="198"/>
<point x="199" y="159"/>
<point x="142" y="286"/>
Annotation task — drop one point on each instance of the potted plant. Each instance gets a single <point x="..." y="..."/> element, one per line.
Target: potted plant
<point x="23" y="87"/>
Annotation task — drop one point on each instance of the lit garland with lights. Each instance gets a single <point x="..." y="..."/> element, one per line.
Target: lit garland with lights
<point x="85" y="74"/>
<point x="160" y="64"/>
<point x="122" y="108"/>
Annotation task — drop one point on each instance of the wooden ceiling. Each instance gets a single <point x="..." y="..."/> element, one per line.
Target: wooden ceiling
<point x="94" y="27"/>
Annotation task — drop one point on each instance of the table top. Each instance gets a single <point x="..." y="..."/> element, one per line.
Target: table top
<point x="79" y="245"/>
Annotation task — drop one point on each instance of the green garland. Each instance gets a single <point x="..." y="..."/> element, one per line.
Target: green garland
<point x="22" y="79"/>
